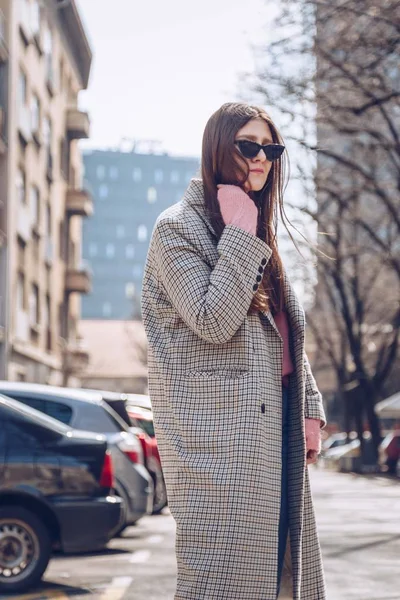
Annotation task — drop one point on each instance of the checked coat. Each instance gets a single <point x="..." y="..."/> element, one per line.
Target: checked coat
<point x="215" y="382"/>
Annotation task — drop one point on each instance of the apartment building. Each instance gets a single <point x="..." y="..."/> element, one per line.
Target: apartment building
<point x="45" y="60"/>
<point x="130" y="189"/>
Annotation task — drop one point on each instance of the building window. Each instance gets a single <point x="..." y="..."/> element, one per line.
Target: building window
<point x="130" y="251"/>
<point x="151" y="195"/>
<point x="92" y="249"/>
<point x="21" y="186"/>
<point x="113" y="173"/>
<point x="47" y="132"/>
<point x="103" y="191"/>
<point x="48" y="221"/>
<point x="158" y="176"/>
<point x="137" y="271"/>
<point x="35" y="17"/>
<point x="174" y="176"/>
<point x="120" y="231"/>
<point x="35" y="206"/>
<point x="137" y="174"/>
<point x="142" y="233"/>
<point x="22" y="88"/>
<point x="35" y="113"/>
<point x="130" y="290"/>
<point x="21" y="292"/>
<point x="34" y="305"/>
<point x="107" y="309"/>
<point x="110" y="250"/>
<point x="48" y="54"/>
<point x="47" y="312"/>
<point x="100" y="172"/>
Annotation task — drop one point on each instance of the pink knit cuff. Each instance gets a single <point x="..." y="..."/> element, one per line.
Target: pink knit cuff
<point x="313" y="434"/>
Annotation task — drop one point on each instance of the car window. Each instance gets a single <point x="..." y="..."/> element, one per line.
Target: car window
<point x="27" y="435"/>
<point x="93" y="417"/>
<point x="115" y="418"/>
<point x="17" y="406"/>
<point x="58" y="410"/>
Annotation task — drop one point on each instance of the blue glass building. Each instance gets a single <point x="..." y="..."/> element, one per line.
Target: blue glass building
<point x="129" y="191"/>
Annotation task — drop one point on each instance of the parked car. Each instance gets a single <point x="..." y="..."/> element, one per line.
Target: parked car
<point x="55" y="493"/>
<point x="141" y="424"/>
<point x="347" y="457"/>
<point x="389" y="451"/>
<point x="337" y="439"/>
<point x="88" y="411"/>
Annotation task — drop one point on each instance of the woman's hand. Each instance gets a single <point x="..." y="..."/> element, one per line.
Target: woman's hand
<point x="313" y="439"/>
<point x="237" y="208"/>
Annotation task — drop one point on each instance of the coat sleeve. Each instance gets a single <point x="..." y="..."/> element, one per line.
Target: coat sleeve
<point x="314" y="408"/>
<point x="212" y="302"/>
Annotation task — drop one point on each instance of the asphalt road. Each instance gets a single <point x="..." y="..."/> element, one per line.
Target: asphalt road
<point x="359" y="528"/>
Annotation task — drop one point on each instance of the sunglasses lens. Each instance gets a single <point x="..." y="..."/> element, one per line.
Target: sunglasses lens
<point x="248" y="149"/>
<point x="274" y="151"/>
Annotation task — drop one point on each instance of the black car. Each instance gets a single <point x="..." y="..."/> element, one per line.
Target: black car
<point x="82" y="409"/>
<point x="55" y="485"/>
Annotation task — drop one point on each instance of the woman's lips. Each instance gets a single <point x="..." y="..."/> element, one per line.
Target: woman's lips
<point x="259" y="171"/>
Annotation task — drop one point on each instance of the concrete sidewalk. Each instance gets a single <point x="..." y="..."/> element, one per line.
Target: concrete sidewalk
<point x="358" y="521"/>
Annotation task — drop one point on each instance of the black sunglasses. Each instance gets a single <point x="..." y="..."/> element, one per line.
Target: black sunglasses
<point x="251" y="149"/>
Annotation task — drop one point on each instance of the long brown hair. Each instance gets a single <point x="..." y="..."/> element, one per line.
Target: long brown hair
<point x="222" y="163"/>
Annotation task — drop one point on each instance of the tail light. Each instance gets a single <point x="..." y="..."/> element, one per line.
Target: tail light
<point x="107" y="472"/>
<point x="132" y="448"/>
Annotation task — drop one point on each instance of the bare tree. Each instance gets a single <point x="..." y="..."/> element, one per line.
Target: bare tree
<point x="331" y="68"/>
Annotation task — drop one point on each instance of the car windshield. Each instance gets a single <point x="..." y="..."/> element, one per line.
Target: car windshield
<point x="33" y="415"/>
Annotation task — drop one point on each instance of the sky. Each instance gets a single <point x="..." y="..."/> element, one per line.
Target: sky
<point x="161" y="69"/>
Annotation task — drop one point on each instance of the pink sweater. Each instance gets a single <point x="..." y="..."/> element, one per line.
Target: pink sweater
<point x="282" y="324"/>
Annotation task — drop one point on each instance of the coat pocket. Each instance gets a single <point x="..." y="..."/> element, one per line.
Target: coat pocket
<point x="207" y="407"/>
<point x="217" y="373"/>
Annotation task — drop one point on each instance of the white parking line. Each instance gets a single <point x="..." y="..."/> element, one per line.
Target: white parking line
<point x="155" y="539"/>
<point x="140" y="556"/>
<point x="117" y="588"/>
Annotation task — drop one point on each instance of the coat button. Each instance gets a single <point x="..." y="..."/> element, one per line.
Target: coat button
<point x="264" y="261"/>
<point x="255" y="287"/>
<point x="263" y="407"/>
<point x="261" y="269"/>
<point x="258" y="278"/>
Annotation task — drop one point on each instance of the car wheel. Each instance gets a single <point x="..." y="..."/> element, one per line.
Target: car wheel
<point x="25" y="548"/>
<point x="160" y="496"/>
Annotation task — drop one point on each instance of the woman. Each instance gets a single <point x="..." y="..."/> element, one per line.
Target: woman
<point x="237" y="412"/>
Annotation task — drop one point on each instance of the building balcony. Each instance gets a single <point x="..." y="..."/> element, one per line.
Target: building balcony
<point x="76" y="356"/>
<point x="78" y="279"/>
<point x="79" y="202"/>
<point x="24" y="123"/>
<point x="78" y="124"/>
<point x="3" y="42"/>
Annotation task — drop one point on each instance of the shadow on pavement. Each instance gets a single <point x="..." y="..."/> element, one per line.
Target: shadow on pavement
<point x="345" y="551"/>
<point x="103" y="552"/>
<point x="46" y="589"/>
